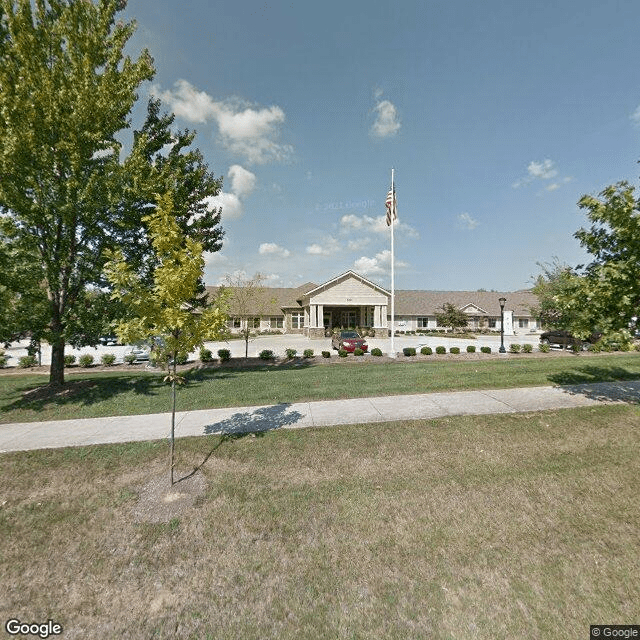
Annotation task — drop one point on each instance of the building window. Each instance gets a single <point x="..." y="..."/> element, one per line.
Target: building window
<point x="523" y="323"/>
<point x="423" y="323"/>
<point x="234" y="323"/>
<point x="297" y="319"/>
<point x="276" y="323"/>
<point x="253" y="323"/>
<point x="492" y="323"/>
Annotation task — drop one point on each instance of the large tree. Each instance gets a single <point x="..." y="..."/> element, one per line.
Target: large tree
<point x="66" y="92"/>
<point x="605" y="294"/>
<point x="552" y="285"/>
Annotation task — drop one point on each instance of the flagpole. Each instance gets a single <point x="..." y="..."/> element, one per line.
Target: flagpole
<point x="393" y="308"/>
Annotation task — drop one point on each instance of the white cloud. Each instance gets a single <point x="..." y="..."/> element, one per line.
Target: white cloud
<point x="329" y="247"/>
<point x="247" y="130"/>
<point x="355" y="245"/>
<point x="230" y="203"/>
<point x="352" y="222"/>
<point x="243" y="182"/>
<point x="544" y="170"/>
<point x="635" y="116"/>
<point x="387" y="123"/>
<point x="467" y="222"/>
<point x="315" y="250"/>
<point x="271" y="248"/>
<point x="215" y="258"/>
<point x="367" y="224"/>
<point x="380" y="264"/>
<point x="556" y="185"/>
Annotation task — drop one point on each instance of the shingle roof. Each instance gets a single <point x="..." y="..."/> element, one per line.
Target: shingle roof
<point x="415" y="302"/>
<point x="407" y="302"/>
<point x="275" y="298"/>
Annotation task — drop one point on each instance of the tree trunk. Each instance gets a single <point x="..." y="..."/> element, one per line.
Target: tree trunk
<point x="173" y="415"/>
<point x="56" y="371"/>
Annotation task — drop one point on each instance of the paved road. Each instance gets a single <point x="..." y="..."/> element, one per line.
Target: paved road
<point x="62" y="433"/>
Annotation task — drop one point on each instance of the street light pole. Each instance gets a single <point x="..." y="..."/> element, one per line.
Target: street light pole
<point x="502" y="301"/>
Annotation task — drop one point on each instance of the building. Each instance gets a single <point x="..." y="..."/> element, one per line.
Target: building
<point x="350" y="300"/>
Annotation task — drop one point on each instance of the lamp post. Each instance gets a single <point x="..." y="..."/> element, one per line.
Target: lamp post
<point x="502" y="301"/>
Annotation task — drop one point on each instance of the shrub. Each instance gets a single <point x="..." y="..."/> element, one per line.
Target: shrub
<point x="636" y="346"/>
<point x="27" y="361"/>
<point x="130" y="358"/>
<point x="85" y="360"/>
<point x="441" y="349"/>
<point x="358" y="352"/>
<point x="455" y="350"/>
<point x="544" y="347"/>
<point x="182" y="357"/>
<point x="485" y="349"/>
<point x="205" y="355"/>
<point x="409" y="351"/>
<point x="527" y="348"/>
<point x="3" y="359"/>
<point x="108" y="359"/>
<point x="514" y="348"/>
<point x="596" y="348"/>
<point x="471" y="348"/>
<point x="291" y="353"/>
<point x="326" y="354"/>
<point x="426" y="351"/>
<point x="342" y="353"/>
<point x="376" y="351"/>
<point x="224" y="355"/>
<point x="69" y="360"/>
<point x="308" y="353"/>
<point x="266" y="354"/>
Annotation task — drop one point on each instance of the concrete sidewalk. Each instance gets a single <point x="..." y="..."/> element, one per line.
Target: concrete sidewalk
<point x="63" y="433"/>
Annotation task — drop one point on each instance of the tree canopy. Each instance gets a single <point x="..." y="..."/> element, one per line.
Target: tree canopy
<point x="66" y="94"/>
<point x="604" y="294"/>
<point x="162" y="313"/>
<point x="452" y="317"/>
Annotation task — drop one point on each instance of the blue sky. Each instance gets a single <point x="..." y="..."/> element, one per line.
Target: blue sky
<point x="497" y="117"/>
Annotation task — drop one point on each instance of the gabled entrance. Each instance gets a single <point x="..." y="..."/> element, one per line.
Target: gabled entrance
<point x="346" y="301"/>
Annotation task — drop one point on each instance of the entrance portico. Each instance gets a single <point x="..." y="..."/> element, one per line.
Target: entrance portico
<point x="346" y="301"/>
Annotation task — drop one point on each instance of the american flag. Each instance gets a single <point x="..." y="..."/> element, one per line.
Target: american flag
<point x="392" y="207"/>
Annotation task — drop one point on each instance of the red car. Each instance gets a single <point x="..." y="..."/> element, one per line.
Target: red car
<point x="349" y="341"/>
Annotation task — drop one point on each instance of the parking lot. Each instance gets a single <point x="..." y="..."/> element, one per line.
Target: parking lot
<point x="280" y="343"/>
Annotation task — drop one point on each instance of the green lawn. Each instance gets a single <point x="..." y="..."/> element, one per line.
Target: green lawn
<point x="483" y="527"/>
<point x="107" y="394"/>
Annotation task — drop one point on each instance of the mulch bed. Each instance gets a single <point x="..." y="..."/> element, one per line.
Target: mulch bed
<point x="317" y="360"/>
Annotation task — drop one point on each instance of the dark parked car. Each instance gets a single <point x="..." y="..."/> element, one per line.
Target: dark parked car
<point x="565" y="339"/>
<point x="349" y="341"/>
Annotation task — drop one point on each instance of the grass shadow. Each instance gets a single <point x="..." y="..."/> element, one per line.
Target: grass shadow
<point x="590" y="373"/>
<point x="606" y="384"/>
<point x="247" y="423"/>
<point x="85" y="391"/>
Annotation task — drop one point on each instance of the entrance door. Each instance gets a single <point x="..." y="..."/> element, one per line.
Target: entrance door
<point x="348" y="318"/>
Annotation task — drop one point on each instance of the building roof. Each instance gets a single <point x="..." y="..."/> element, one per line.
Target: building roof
<point x="415" y="302"/>
<point x="412" y="302"/>
<point x="273" y="300"/>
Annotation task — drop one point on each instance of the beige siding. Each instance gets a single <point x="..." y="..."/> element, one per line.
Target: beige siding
<point x="350" y="291"/>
